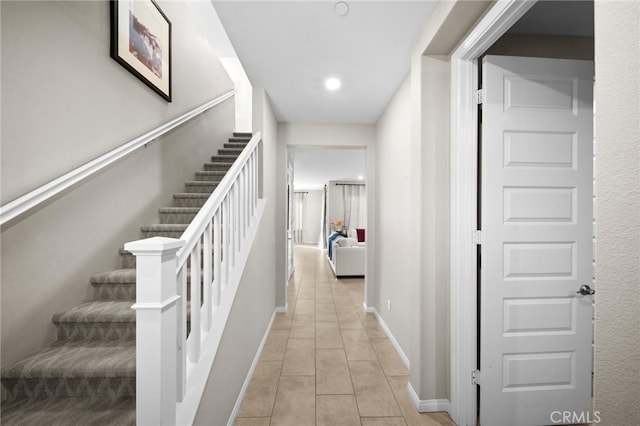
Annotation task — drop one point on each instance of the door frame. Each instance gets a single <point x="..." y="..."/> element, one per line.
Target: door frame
<point x="464" y="178"/>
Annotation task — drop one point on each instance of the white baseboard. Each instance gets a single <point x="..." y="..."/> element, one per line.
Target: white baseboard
<point x="252" y="369"/>
<point x="389" y="334"/>
<point x="427" y="405"/>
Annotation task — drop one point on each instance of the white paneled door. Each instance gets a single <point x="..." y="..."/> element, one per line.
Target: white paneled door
<point x="536" y="327"/>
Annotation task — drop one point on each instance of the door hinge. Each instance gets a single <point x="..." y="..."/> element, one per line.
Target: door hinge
<point x="477" y="237"/>
<point x="478" y="96"/>
<point x="475" y="377"/>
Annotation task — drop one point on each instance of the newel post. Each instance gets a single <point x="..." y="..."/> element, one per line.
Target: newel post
<point x="156" y="329"/>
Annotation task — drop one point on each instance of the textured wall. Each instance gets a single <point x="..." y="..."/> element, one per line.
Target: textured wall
<point x="617" y="327"/>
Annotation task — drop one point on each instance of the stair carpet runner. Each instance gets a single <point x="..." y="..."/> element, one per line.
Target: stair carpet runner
<point x="88" y="376"/>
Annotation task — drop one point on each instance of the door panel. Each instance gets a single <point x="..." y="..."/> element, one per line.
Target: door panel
<point x="536" y="331"/>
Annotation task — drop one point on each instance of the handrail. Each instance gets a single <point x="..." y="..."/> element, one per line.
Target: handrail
<point x="31" y="199"/>
<point x="185" y="291"/>
<point x="197" y="226"/>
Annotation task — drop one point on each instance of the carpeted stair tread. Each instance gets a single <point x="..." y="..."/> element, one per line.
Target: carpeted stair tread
<point x="230" y="151"/>
<point x="223" y="158"/>
<point x="78" y="359"/>
<point x="164" y="227"/>
<point x="117" y="276"/>
<point x="190" y="199"/>
<point x="218" y="165"/>
<point x="240" y="144"/>
<point x="184" y="210"/>
<point x="202" y="186"/>
<point x="190" y="195"/>
<point x="213" y="175"/>
<point x="119" y="284"/>
<point x="66" y="411"/>
<point x="98" y="311"/>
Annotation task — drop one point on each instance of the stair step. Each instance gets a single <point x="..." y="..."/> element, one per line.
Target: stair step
<point x="230" y="151"/>
<point x="177" y="215"/>
<point x="61" y="411"/>
<point x="225" y="158"/>
<point x="96" y="369"/>
<point x="119" y="284"/>
<point x="163" y="230"/>
<point x="201" y="186"/>
<point x="127" y="261"/>
<point x="236" y="144"/>
<point x="97" y="320"/>
<point x="213" y="175"/>
<point x="218" y="166"/>
<point x="242" y="134"/>
<point x="239" y="139"/>
<point x="184" y="199"/>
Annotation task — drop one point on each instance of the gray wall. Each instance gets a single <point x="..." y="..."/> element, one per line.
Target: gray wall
<point x="65" y="102"/>
<point x="617" y="339"/>
<point x="393" y="144"/>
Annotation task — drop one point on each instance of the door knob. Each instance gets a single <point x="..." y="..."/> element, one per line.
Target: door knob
<point x="585" y="290"/>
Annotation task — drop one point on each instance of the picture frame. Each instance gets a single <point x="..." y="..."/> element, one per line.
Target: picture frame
<point x="141" y="42"/>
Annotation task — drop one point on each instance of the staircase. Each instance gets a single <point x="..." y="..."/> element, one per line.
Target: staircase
<point x="88" y="376"/>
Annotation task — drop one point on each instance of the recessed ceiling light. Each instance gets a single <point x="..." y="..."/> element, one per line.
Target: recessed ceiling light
<point x="360" y="177"/>
<point x="332" y="84"/>
<point x="341" y="8"/>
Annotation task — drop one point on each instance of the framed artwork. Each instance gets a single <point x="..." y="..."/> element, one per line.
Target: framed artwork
<point x="141" y="42"/>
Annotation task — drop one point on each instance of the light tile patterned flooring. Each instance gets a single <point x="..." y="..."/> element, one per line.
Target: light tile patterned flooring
<point x="326" y="362"/>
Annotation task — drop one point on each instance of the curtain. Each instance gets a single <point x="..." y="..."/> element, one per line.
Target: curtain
<point x="355" y="206"/>
<point x="299" y="215"/>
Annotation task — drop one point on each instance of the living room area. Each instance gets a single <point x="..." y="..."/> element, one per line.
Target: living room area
<point x="327" y="204"/>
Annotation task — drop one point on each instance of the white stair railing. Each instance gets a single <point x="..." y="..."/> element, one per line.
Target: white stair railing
<point x="177" y="338"/>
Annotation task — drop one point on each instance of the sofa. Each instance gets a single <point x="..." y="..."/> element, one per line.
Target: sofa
<point x="346" y="255"/>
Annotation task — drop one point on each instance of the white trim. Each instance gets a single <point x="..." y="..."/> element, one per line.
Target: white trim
<point x="389" y="334"/>
<point x="252" y="369"/>
<point x="162" y="306"/>
<point x="503" y="14"/>
<point x="39" y="195"/>
<point x="427" y="405"/>
<point x="198" y="373"/>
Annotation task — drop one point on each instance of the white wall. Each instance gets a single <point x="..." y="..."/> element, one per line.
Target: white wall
<point x="244" y="94"/>
<point x="617" y="341"/>
<point x="393" y="144"/>
<point x="65" y="102"/>
<point x="327" y="134"/>
<point x="255" y="301"/>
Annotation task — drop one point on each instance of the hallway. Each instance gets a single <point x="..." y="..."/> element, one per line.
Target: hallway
<point x="326" y="362"/>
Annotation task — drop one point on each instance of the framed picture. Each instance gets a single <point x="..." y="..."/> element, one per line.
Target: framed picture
<point x="141" y="42"/>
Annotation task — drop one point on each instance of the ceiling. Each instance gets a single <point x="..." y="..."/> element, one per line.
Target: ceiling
<point x="290" y="47"/>
<point x="315" y="167"/>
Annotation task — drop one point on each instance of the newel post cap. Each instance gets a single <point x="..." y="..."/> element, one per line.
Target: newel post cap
<point x="154" y="245"/>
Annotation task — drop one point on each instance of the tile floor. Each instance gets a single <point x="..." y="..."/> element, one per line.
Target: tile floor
<point x="326" y="362"/>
